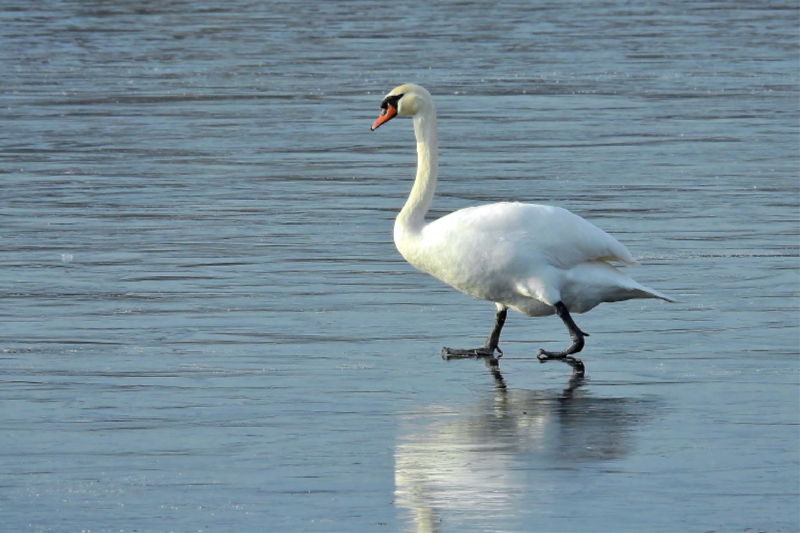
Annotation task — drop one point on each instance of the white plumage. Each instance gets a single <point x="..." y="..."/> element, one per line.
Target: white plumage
<point x="535" y="259"/>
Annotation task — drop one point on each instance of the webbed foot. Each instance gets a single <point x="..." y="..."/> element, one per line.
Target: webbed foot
<point x="575" y="334"/>
<point x="474" y="353"/>
<point x="577" y="365"/>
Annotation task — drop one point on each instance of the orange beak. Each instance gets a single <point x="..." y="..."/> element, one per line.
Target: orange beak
<point x="388" y="114"/>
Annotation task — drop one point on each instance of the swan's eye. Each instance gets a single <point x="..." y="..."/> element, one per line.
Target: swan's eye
<point x="389" y="108"/>
<point x="393" y="100"/>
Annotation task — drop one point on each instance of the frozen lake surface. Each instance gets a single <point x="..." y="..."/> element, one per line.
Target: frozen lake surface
<point x="206" y="326"/>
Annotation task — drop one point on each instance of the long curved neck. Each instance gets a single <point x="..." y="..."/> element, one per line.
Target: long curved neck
<point x="412" y="217"/>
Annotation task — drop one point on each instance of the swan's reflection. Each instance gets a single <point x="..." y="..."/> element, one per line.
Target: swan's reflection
<point x="502" y="453"/>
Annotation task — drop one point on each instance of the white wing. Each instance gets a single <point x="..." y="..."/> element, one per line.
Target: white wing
<point x="507" y="251"/>
<point x="561" y="238"/>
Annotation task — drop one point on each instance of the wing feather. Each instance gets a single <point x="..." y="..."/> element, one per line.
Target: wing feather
<point x="561" y="237"/>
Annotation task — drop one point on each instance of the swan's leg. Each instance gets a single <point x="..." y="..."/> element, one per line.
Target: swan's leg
<point x="575" y="334"/>
<point x="490" y="346"/>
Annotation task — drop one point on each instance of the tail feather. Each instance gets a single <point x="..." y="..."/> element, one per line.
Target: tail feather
<point x="655" y="294"/>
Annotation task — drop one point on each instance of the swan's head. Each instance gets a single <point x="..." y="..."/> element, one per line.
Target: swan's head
<point x="406" y="100"/>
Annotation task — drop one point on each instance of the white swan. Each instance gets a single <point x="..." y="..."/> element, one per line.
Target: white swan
<point x="535" y="259"/>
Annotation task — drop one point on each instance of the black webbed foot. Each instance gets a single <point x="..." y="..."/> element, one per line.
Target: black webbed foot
<point x="575" y="334"/>
<point x="474" y="353"/>
<point x="488" y="349"/>
<point x="577" y="365"/>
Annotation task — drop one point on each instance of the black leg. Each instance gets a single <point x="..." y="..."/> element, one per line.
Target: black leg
<point x="575" y="334"/>
<point x="489" y="347"/>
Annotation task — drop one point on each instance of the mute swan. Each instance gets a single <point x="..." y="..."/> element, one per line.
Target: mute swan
<point x="536" y="259"/>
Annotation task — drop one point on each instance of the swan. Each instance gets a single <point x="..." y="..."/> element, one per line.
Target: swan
<point x="538" y="260"/>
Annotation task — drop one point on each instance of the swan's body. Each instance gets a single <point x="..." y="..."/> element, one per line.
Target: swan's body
<point x="535" y="259"/>
<point x="523" y="256"/>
